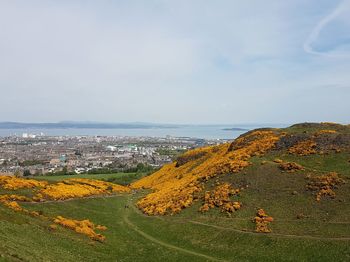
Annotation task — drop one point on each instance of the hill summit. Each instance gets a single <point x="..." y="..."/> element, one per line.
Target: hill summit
<point x="190" y="178"/>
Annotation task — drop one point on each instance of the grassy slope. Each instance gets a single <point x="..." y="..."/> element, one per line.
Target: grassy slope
<point x="29" y="238"/>
<point x="323" y="235"/>
<point x="283" y="195"/>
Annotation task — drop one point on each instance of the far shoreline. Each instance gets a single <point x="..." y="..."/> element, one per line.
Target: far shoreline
<point x="235" y="129"/>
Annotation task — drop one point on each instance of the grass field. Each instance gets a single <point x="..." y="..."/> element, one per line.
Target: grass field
<point x="131" y="236"/>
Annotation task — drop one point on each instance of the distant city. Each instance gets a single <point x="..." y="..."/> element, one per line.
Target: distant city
<point x="89" y="147"/>
<point x="39" y="154"/>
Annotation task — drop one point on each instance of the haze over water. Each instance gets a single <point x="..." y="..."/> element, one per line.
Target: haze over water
<point x="198" y="131"/>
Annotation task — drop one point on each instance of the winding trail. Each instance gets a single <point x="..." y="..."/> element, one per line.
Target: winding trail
<point x="159" y="242"/>
<point x="305" y="167"/>
<point x="254" y="233"/>
<point x="270" y="234"/>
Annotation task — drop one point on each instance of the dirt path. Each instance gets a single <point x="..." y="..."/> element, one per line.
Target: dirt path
<point x="305" y="167"/>
<point x="159" y="242"/>
<point x="271" y="234"/>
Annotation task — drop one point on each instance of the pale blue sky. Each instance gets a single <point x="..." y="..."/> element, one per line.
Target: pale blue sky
<point x="180" y="61"/>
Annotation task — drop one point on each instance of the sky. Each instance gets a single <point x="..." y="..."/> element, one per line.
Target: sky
<point x="179" y="61"/>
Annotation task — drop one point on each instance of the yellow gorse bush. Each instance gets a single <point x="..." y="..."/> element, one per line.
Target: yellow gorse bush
<point x="303" y="148"/>
<point x="14" y="198"/>
<point x="324" y="185"/>
<point x="220" y="197"/>
<point x="76" y="188"/>
<point x="85" y="227"/>
<point x="70" y="188"/>
<point x="262" y="221"/>
<point x="290" y="166"/>
<point x="13" y="205"/>
<point x="177" y="185"/>
<point x="14" y="183"/>
<point x="325" y="131"/>
<point x="10" y="201"/>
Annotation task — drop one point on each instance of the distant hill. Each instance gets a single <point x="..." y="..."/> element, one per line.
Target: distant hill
<point x="235" y="129"/>
<point x="88" y="125"/>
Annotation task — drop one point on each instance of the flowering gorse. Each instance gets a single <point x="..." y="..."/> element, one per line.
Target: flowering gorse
<point x="262" y="221"/>
<point x="177" y="185"/>
<point x="220" y="197"/>
<point x="77" y="188"/>
<point x="14" y="183"/>
<point x="85" y="227"/>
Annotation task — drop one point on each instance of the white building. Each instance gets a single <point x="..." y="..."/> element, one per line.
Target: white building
<point x="112" y="148"/>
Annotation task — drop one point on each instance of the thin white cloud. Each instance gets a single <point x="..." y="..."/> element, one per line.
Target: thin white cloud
<point x="166" y="61"/>
<point x="341" y="8"/>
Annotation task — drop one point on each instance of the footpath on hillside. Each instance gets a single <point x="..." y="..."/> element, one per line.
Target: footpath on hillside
<point x="160" y="242"/>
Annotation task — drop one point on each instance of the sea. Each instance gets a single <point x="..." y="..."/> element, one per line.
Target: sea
<point x="194" y="131"/>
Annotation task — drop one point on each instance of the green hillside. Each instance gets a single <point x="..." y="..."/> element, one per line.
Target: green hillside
<point x="300" y="176"/>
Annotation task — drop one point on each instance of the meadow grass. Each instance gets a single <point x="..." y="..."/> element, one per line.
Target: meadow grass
<point x="30" y="239"/>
